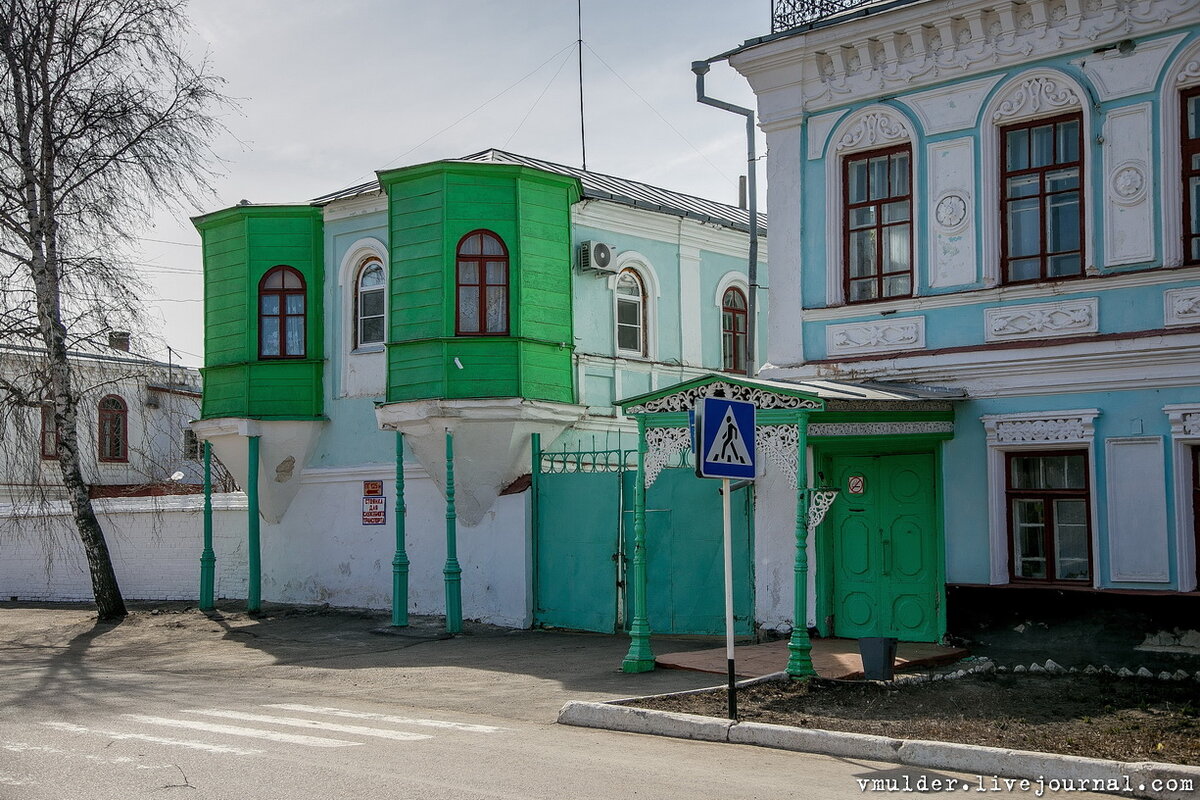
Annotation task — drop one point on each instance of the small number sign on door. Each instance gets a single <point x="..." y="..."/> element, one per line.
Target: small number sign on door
<point x="857" y="484"/>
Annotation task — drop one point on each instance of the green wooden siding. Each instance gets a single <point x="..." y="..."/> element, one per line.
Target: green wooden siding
<point x="431" y="208"/>
<point x="240" y="245"/>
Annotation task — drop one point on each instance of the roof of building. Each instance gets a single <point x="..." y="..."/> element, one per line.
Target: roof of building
<point x="794" y="18"/>
<point x="99" y="354"/>
<point x="598" y="186"/>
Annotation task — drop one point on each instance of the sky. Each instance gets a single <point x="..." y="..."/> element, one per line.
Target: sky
<point x="329" y="92"/>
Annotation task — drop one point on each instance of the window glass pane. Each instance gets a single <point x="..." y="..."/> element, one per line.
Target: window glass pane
<point x="733" y="299"/>
<point x="879" y="177"/>
<point x="1063" y="266"/>
<point x="1024" y="227"/>
<point x="1029" y="556"/>
<point x="895" y="248"/>
<point x="1041" y="146"/>
<point x="1196" y="161"/>
<point x="371" y="276"/>
<point x="269" y="337"/>
<point x="1063" y="179"/>
<point x="729" y="358"/>
<point x="862" y="253"/>
<point x="472" y="245"/>
<point x="862" y="217"/>
<point x="629" y="312"/>
<point x="371" y="303"/>
<point x="1193" y="117"/>
<point x="1196" y="249"/>
<point x="295" y="336"/>
<point x="268" y="304"/>
<point x="1023" y="186"/>
<point x="896" y="212"/>
<point x="629" y="337"/>
<point x="371" y="331"/>
<point x="1194" y="197"/>
<point x="1017" y="149"/>
<point x="492" y="246"/>
<point x="628" y="285"/>
<point x="1025" y="472"/>
<point x="497" y="309"/>
<point x="858" y="180"/>
<point x="468" y="272"/>
<point x="863" y="289"/>
<point x="1068" y="142"/>
<point x="291" y="280"/>
<point x="496" y="273"/>
<point x="1062" y="224"/>
<point x="899" y="174"/>
<point x="1026" y="269"/>
<point x="294" y="303"/>
<point x="1070" y="540"/>
<point x="899" y="286"/>
<point x="468" y="309"/>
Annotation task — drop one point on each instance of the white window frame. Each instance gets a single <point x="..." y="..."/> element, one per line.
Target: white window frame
<point x="651" y="295"/>
<point x="1031" y="95"/>
<point x="363" y="265"/>
<point x="363" y="371"/>
<point x="1042" y="430"/>
<point x="1182" y="73"/>
<point x="1185" y="434"/>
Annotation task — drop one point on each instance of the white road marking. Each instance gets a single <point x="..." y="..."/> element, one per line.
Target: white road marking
<point x="25" y="747"/>
<point x="428" y="723"/>
<point x="145" y="737"/>
<point x="290" y="738"/>
<point x="400" y="736"/>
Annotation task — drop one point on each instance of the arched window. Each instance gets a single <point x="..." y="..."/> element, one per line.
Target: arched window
<point x="631" y="314"/>
<point x="370" y="303"/>
<point x="281" y="307"/>
<point x="481" y="285"/>
<point x="733" y="330"/>
<point x="114" y="429"/>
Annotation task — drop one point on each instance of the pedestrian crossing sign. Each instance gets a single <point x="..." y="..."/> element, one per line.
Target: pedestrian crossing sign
<point x="725" y="439"/>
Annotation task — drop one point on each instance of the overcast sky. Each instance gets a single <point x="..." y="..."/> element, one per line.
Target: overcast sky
<point x="329" y="92"/>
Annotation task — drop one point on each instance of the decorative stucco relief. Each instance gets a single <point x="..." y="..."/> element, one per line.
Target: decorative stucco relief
<point x="873" y="130"/>
<point x="1035" y="96"/>
<point x="906" y="333"/>
<point x="1181" y="306"/>
<point x="1041" y="320"/>
<point x="951" y="211"/>
<point x="1045" y="428"/>
<point x="1128" y="183"/>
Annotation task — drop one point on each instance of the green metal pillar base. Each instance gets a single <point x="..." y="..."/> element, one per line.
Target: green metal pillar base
<point x="208" y="559"/>
<point x="640" y="657"/>
<point x="800" y="655"/>
<point x="400" y="560"/>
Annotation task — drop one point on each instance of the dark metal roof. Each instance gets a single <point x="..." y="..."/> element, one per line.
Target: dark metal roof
<point x="598" y="186"/>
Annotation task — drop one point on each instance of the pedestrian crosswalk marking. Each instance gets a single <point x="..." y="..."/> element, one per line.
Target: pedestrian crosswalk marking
<point x="428" y="723"/>
<point x="232" y="730"/>
<point x="145" y="737"/>
<point x="402" y="736"/>
<point x="728" y="447"/>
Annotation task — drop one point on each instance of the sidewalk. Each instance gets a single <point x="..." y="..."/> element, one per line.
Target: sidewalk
<point x="832" y="658"/>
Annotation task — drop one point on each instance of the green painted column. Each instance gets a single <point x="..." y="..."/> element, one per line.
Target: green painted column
<point x="640" y="657"/>
<point x="400" y="561"/>
<point x="208" y="559"/>
<point x="799" y="647"/>
<point x="253" y="556"/>
<point x="452" y="571"/>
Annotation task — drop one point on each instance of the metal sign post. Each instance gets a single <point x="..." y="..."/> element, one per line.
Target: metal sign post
<point x="724" y="442"/>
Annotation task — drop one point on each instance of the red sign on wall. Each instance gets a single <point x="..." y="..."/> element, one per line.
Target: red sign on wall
<point x="372" y="488"/>
<point x="856" y="484"/>
<point x="374" y="511"/>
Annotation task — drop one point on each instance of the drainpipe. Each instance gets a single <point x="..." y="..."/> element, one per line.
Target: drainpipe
<point x="701" y="69"/>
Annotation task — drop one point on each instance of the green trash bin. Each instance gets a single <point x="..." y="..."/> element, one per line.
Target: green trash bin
<point x="878" y="657"/>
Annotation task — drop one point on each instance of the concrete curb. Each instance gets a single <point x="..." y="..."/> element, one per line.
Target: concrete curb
<point x="1153" y="780"/>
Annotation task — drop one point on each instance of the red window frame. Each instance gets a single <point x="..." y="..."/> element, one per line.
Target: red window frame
<point x="49" y="437"/>
<point x="1043" y="196"/>
<point x="1047" y="496"/>
<point x="113" y="429"/>
<point x="280" y="318"/>
<point x="1190" y="162"/>
<point x="733" y="330"/>
<point x="480" y="284"/>
<point x="1196" y="510"/>
<point x="889" y="197"/>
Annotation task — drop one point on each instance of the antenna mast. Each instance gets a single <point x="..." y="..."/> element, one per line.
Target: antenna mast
<point x="579" y="46"/>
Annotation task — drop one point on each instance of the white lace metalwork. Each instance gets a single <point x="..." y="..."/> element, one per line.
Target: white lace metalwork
<point x="781" y="443"/>
<point x="819" y="501"/>
<point x="662" y="444"/>
<point x="686" y="400"/>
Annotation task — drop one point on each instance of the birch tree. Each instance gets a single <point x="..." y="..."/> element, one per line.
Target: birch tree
<point x="102" y="116"/>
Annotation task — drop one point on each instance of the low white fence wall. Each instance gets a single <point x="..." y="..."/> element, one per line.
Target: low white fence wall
<point x="155" y="543"/>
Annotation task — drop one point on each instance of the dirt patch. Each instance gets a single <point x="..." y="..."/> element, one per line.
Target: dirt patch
<point x="1095" y="716"/>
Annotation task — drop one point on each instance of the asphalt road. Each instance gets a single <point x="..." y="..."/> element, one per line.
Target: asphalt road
<point x="303" y="705"/>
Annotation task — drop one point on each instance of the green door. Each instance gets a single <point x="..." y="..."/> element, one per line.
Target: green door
<point x="885" y="548"/>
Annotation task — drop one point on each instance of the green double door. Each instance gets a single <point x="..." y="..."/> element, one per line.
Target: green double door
<point x="884" y="548"/>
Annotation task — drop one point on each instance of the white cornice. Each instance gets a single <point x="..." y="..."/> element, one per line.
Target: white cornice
<point x="1004" y="294"/>
<point x="665" y="228"/>
<point x="373" y="203"/>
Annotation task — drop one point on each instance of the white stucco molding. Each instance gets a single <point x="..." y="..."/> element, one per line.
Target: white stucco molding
<point x="1181" y="306"/>
<point x="226" y="426"/>
<point x="876" y="336"/>
<point x="1136" y="487"/>
<point x="1041" y="320"/>
<point x="371" y="203"/>
<point x="1185" y="446"/>
<point x="731" y="280"/>
<point x="1073" y="429"/>
<point x="870" y="128"/>
<point x="1183" y="72"/>
<point x="640" y="264"/>
<point x="363" y="369"/>
<point x="1115" y="74"/>
<point x="1031" y="94"/>
<point x="950" y="108"/>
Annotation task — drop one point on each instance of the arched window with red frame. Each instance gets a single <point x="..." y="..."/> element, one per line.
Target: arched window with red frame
<point x="481" y="285"/>
<point x="281" y="314"/>
<point x="113" y="444"/>
<point x="733" y="330"/>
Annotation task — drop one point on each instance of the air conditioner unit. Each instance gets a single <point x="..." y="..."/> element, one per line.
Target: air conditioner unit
<point x="596" y="256"/>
